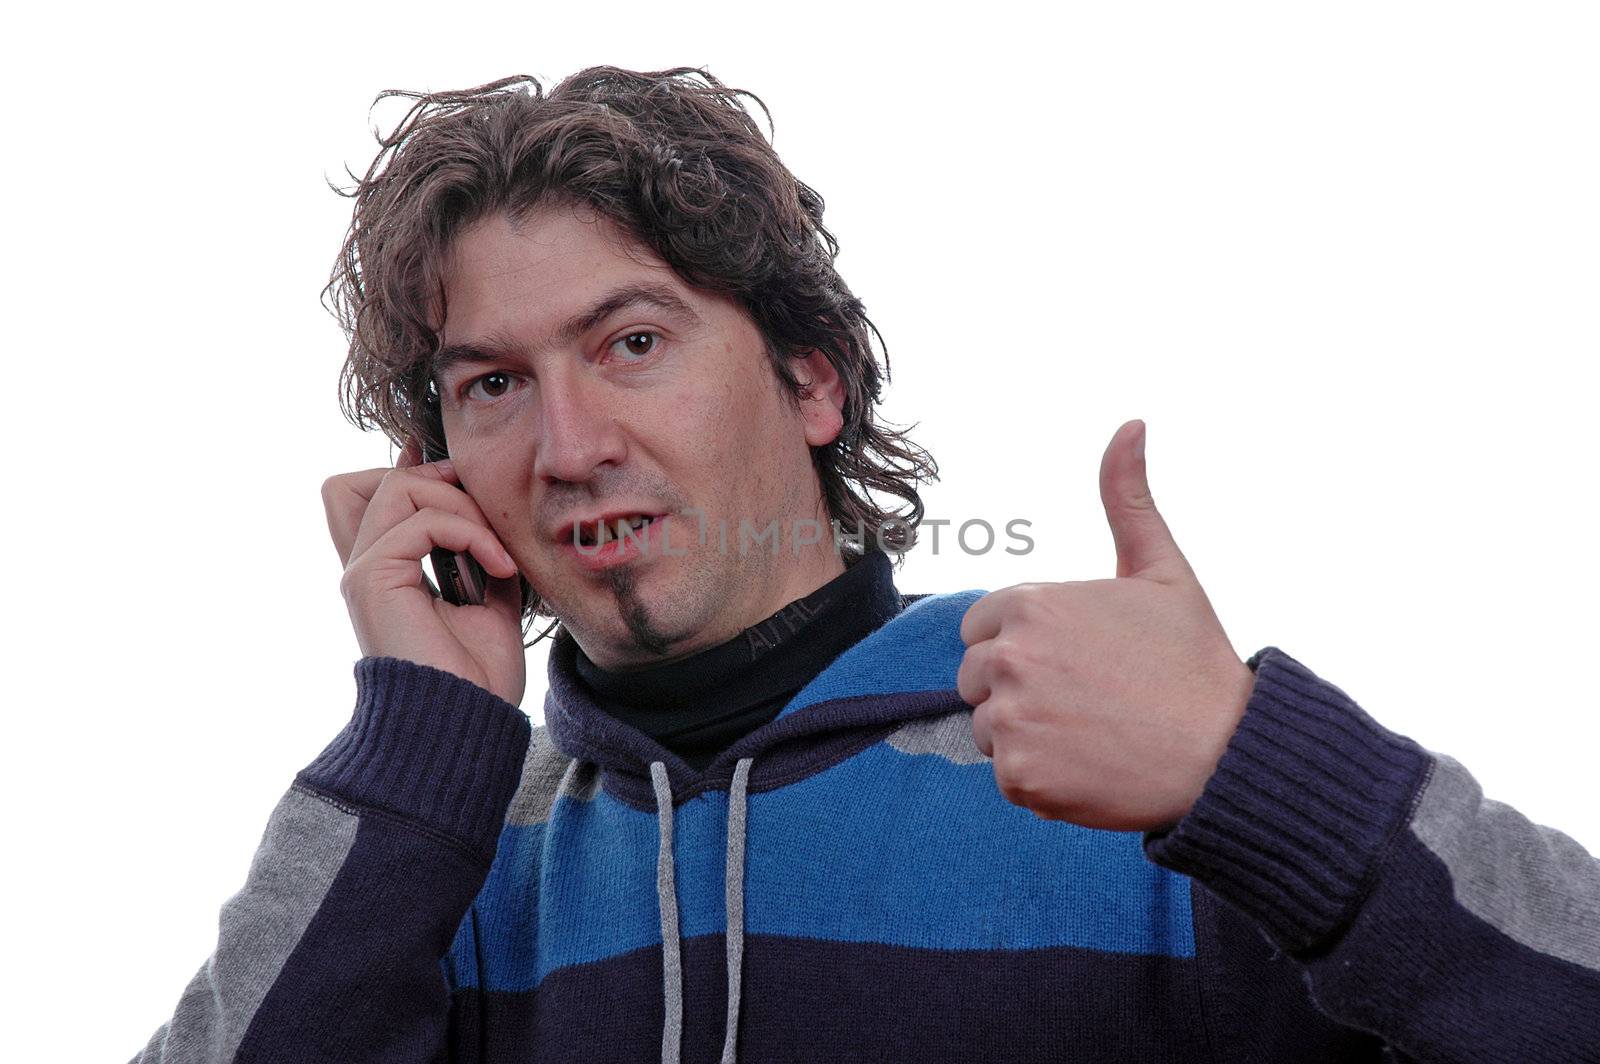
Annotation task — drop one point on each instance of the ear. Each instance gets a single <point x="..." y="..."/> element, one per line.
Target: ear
<point x="822" y="399"/>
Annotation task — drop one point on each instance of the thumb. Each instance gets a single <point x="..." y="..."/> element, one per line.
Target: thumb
<point x="1145" y="546"/>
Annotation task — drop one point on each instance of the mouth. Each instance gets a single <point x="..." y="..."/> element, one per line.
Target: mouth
<point x="597" y="532"/>
<point x="617" y="539"/>
<point x="602" y="528"/>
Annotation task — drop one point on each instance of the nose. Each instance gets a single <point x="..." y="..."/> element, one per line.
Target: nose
<point x="579" y="432"/>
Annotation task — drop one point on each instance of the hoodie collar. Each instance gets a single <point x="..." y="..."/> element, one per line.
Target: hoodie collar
<point x="903" y="670"/>
<point x="701" y="704"/>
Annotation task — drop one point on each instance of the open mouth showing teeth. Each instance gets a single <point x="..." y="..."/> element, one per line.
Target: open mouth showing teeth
<point x="599" y="533"/>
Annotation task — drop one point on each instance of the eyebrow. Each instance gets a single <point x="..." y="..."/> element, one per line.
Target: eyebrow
<point x="498" y="348"/>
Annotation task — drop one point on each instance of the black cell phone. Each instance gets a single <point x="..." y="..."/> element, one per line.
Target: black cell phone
<point x="461" y="578"/>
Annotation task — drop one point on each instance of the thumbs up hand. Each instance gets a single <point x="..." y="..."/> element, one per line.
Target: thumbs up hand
<point x="1107" y="703"/>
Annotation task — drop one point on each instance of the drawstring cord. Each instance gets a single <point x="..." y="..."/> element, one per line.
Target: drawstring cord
<point x="734" y="905"/>
<point x="667" y="900"/>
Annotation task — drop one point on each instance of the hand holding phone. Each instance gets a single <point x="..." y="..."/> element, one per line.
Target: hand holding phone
<point x="383" y="521"/>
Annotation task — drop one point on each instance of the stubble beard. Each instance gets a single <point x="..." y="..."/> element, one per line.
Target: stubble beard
<point x="658" y="628"/>
<point x="642" y="627"/>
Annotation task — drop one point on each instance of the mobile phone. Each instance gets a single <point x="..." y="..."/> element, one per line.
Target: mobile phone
<point x="461" y="578"/>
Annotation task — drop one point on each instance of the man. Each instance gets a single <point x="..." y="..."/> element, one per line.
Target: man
<point x="780" y="811"/>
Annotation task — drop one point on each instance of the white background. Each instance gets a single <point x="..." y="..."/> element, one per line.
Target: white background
<point x="1341" y="258"/>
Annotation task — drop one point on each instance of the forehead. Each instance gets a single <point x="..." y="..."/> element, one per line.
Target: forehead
<point x="526" y="278"/>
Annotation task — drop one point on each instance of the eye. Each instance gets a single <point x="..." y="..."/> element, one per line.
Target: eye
<point x="636" y="345"/>
<point x="494" y="385"/>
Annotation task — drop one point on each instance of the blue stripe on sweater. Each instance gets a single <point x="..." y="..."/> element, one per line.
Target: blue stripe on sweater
<point x="941" y="860"/>
<point x="937" y="858"/>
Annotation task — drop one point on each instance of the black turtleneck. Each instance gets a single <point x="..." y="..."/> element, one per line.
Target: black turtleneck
<point x="701" y="705"/>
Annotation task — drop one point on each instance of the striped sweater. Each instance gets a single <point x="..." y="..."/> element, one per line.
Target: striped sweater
<point x="446" y="884"/>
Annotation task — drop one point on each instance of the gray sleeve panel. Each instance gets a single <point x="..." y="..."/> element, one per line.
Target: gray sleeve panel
<point x="1532" y="883"/>
<point x="305" y="845"/>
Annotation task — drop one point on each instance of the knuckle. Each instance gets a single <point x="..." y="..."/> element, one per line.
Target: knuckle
<point x="441" y="522"/>
<point x="1002" y="660"/>
<point x="1024" y="604"/>
<point x="397" y="479"/>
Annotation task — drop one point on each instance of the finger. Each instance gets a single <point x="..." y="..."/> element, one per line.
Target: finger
<point x="1145" y="546"/>
<point x="972" y="678"/>
<point x="429" y="528"/>
<point x="982" y="736"/>
<point x="344" y="500"/>
<point x="983" y="617"/>
<point x="347" y="497"/>
<point x="399" y="493"/>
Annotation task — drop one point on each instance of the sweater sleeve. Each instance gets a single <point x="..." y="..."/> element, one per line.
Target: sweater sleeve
<point x="1446" y="924"/>
<point x="332" y="950"/>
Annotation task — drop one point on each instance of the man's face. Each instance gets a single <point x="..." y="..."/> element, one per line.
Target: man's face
<point x="609" y="387"/>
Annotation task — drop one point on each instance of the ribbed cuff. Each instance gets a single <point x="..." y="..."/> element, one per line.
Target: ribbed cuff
<point x="1304" y="801"/>
<point x="430" y="746"/>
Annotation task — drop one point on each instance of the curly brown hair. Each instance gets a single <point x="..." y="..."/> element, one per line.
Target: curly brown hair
<point x="673" y="158"/>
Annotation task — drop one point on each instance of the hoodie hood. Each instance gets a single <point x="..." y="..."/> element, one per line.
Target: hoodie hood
<point x="903" y="671"/>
